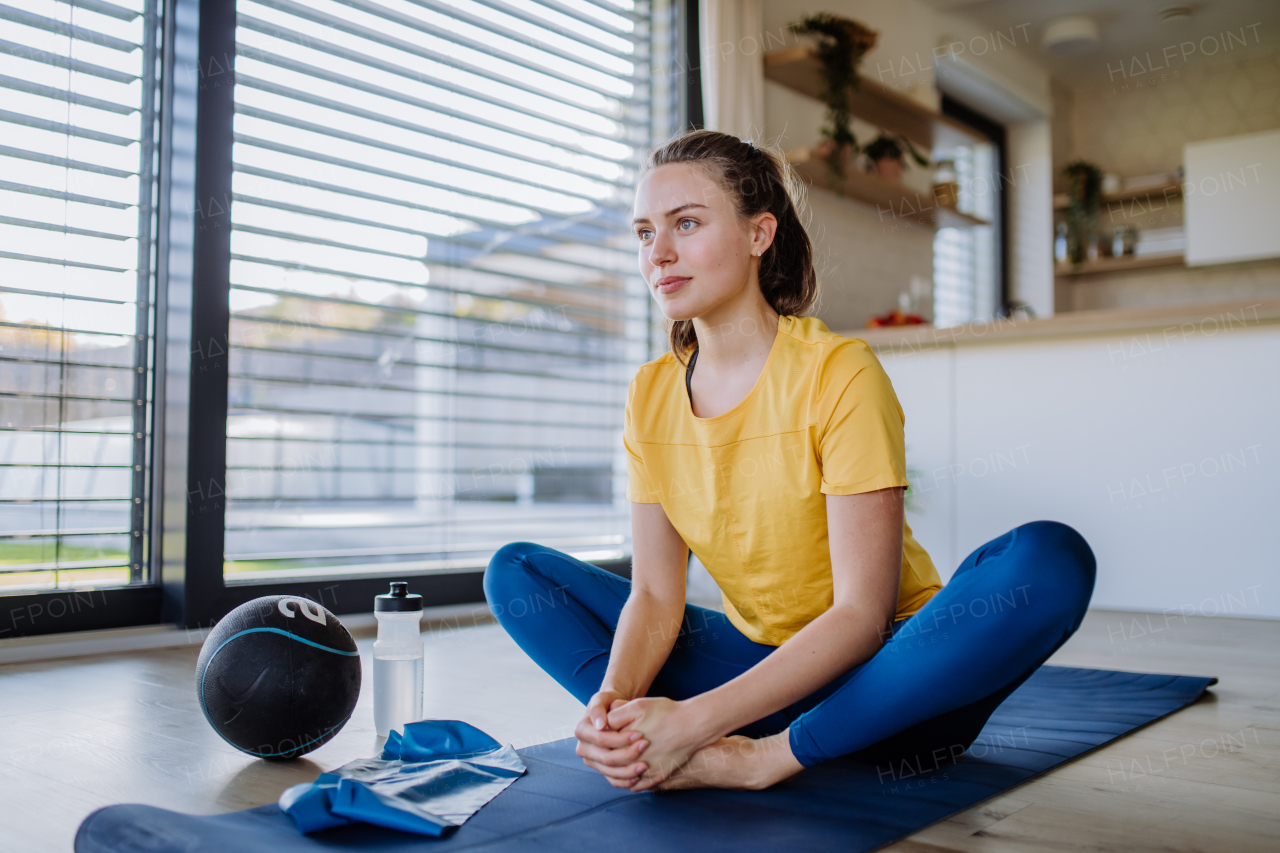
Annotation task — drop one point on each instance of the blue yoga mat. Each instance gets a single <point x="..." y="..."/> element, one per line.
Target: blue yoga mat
<point x="1058" y="714"/>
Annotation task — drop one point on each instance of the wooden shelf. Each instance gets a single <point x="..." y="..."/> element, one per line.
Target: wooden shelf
<point x="1159" y="193"/>
<point x="1105" y="265"/>
<point x="894" y="202"/>
<point x="798" y="68"/>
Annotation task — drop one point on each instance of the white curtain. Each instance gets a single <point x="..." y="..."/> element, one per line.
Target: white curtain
<point x="733" y="67"/>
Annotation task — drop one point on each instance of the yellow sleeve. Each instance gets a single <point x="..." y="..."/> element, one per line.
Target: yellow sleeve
<point x="639" y="489"/>
<point x="861" y="444"/>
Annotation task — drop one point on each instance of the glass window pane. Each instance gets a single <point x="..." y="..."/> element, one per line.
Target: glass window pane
<point x="76" y="180"/>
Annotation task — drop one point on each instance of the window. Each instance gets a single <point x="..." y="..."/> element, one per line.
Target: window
<point x="966" y="272"/>
<point x="436" y="306"/>
<point x="970" y="278"/>
<point x="77" y="155"/>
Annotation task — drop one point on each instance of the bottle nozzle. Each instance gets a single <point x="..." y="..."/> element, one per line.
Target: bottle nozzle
<point x="398" y="600"/>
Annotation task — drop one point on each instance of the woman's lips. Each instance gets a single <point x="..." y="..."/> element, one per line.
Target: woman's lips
<point x="671" y="284"/>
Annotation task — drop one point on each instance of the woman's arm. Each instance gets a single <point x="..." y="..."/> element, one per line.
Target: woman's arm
<point x="865" y="534"/>
<point x="647" y="630"/>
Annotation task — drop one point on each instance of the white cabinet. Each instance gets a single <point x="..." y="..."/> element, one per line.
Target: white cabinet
<point x="1232" y="193"/>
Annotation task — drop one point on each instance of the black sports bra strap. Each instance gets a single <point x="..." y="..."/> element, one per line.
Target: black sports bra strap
<point x="688" y="375"/>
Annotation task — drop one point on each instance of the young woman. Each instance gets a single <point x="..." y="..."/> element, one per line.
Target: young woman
<point x="780" y="462"/>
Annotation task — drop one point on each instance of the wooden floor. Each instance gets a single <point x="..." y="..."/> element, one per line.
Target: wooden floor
<point x="87" y="732"/>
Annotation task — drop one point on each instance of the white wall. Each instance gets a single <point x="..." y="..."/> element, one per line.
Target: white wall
<point x="1160" y="446"/>
<point x="1030" y="155"/>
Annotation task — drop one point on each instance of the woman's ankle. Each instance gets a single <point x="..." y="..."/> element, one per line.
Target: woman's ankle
<point x="773" y="761"/>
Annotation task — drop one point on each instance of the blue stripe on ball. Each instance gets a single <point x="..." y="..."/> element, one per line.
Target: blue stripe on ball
<point x="278" y="631"/>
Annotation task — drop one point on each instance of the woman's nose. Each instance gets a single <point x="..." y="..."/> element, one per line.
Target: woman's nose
<point x="663" y="251"/>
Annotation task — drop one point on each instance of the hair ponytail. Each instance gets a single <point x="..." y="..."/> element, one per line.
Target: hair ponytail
<point x="758" y="180"/>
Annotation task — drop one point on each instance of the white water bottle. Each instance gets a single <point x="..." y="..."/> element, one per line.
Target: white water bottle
<point x="397" y="659"/>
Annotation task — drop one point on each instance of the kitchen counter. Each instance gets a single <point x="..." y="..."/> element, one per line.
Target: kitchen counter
<point x="1171" y="322"/>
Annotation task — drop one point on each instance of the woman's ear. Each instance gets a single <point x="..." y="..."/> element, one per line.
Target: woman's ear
<point x="764" y="227"/>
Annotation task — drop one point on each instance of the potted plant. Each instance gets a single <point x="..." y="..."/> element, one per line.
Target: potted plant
<point x="841" y="45"/>
<point x="1084" y="197"/>
<point x="888" y="153"/>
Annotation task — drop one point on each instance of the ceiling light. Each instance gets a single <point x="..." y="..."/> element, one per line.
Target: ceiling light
<point x="1072" y="34"/>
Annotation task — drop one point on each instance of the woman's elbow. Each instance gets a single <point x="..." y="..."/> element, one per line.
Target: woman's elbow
<point x="866" y="623"/>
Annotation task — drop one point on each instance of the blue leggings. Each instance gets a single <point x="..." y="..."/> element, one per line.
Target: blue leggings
<point x="931" y="687"/>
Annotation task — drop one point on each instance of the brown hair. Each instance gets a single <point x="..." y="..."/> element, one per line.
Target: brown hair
<point x="759" y="180"/>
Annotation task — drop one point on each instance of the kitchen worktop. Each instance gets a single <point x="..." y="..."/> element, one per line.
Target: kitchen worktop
<point x="1206" y="318"/>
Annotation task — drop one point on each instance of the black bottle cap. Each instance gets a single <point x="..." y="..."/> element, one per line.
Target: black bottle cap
<point x="399" y="600"/>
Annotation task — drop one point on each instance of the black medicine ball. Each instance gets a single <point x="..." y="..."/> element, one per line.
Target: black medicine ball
<point x="278" y="677"/>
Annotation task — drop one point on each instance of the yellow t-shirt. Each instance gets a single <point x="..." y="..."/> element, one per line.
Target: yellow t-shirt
<point x="745" y="489"/>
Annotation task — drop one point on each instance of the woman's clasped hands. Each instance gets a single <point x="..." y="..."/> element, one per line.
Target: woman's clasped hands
<point x="636" y="743"/>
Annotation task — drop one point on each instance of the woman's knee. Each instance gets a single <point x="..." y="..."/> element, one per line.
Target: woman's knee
<point x="1061" y="539"/>
<point x="1061" y="556"/>
<point x="507" y="564"/>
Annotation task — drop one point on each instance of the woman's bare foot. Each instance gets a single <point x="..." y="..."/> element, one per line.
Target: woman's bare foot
<point x="737" y="762"/>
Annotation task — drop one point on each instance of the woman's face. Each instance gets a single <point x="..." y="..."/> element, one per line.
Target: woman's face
<point x="695" y="253"/>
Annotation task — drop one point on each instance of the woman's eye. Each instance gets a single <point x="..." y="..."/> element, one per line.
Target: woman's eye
<point x="647" y="234"/>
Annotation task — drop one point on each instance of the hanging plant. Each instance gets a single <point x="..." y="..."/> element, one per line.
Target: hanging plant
<point x="841" y="45"/>
<point x="1084" y="197"/>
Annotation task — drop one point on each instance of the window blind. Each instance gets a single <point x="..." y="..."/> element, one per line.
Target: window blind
<point x="436" y="307"/>
<point x="966" y="283"/>
<point x="77" y="148"/>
